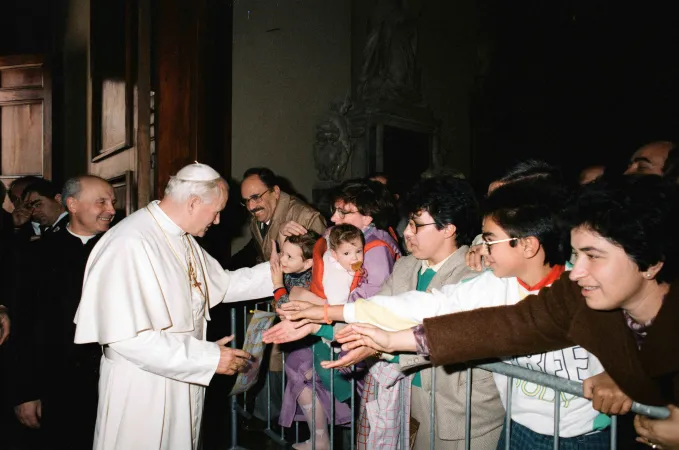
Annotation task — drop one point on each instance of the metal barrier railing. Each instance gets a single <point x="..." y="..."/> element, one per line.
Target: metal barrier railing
<point x="559" y="385"/>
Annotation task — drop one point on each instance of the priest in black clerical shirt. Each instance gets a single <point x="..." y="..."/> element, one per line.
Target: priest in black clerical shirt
<point x="54" y="381"/>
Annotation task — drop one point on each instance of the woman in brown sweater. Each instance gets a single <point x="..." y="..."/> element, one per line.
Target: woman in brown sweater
<point x="620" y="302"/>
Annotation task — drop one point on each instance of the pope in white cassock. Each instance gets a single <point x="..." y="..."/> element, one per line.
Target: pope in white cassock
<point x="146" y="297"/>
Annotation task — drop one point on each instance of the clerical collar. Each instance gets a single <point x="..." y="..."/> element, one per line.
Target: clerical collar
<point x="164" y="220"/>
<point x="82" y="238"/>
<point x="435" y="267"/>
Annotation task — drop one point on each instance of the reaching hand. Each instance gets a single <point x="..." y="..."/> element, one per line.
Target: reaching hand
<point x="29" y="413"/>
<point x="305" y="295"/>
<point x="289" y="331"/>
<point x="606" y="396"/>
<point x="21" y="215"/>
<point x="276" y="269"/>
<point x="662" y="434"/>
<point x="5" y="324"/>
<point x="231" y="360"/>
<point x="355" y="336"/>
<point x="352" y="357"/>
<point x="290" y="228"/>
<point x="474" y="258"/>
<point x="297" y="310"/>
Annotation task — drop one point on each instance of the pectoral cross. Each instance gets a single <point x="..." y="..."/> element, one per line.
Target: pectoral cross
<point x="194" y="279"/>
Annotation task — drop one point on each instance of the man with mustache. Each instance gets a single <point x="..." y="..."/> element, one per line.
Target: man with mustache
<point x="275" y="216"/>
<point x="55" y="381"/>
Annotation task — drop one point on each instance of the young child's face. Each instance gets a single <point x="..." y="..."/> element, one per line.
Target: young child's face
<point x="292" y="259"/>
<point x="505" y="259"/>
<point x="349" y="255"/>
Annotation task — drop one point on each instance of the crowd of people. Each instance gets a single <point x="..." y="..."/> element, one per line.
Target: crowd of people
<point x="103" y="328"/>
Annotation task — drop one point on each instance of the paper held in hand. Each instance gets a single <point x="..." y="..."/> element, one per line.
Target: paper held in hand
<point x="253" y="344"/>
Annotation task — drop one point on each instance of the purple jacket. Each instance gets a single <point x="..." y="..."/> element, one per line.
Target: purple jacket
<point x="377" y="263"/>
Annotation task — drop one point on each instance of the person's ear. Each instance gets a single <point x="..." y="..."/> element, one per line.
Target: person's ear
<point x="194" y="203"/>
<point x="653" y="270"/>
<point x="530" y="245"/>
<point x="57" y="198"/>
<point x="71" y="203"/>
<point x="308" y="263"/>
<point x="449" y="231"/>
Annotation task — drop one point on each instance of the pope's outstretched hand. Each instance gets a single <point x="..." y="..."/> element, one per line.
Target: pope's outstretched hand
<point x="231" y="360"/>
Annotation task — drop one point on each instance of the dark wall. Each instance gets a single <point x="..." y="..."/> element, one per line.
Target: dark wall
<point x="26" y="26"/>
<point x="573" y="82"/>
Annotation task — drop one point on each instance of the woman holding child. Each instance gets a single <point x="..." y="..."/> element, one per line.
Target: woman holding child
<point x="361" y="212"/>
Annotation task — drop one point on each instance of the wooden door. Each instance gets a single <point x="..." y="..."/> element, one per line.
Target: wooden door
<point x="119" y="99"/>
<point x="25" y="118"/>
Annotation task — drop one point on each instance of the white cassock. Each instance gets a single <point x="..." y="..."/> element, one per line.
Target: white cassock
<point x="138" y="302"/>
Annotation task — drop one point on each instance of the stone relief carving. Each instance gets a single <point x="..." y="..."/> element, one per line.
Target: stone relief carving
<point x="334" y="143"/>
<point x="389" y="72"/>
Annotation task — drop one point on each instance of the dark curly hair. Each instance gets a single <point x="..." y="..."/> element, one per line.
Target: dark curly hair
<point x="449" y="200"/>
<point x="371" y="199"/>
<point x="306" y="242"/>
<point x="532" y="207"/>
<point x="638" y="213"/>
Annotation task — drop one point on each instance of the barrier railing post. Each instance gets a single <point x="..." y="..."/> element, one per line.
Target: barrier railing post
<point x="353" y="407"/>
<point x="234" y="400"/>
<point x="432" y="411"/>
<point x="282" y="392"/>
<point x="468" y="411"/>
<point x="332" y="401"/>
<point x="557" y="417"/>
<point x="313" y="400"/>
<point x="402" y="412"/>
<point x="508" y="412"/>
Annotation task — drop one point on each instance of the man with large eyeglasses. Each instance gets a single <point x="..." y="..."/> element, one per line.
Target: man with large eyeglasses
<point x="274" y="213"/>
<point x="274" y="216"/>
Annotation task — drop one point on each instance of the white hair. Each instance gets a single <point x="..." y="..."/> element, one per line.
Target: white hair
<point x="182" y="190"/>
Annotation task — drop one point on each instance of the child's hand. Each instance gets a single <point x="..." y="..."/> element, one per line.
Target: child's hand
<point x="276" y="270"/>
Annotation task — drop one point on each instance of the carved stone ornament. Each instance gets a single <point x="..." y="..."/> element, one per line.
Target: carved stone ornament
<point x="389" y="71"/>
<point x="333" y="143"/>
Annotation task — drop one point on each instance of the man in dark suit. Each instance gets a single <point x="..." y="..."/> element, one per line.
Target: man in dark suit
<point x="43" y="199"/>
<point x="54" y="380"/>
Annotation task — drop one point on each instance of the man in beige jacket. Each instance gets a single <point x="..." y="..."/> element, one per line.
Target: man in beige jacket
<point x="275" y="215"/>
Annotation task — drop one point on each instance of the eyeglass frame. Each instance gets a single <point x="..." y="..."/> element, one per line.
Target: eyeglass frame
<point x="415" y="227"/>
<point x="341" y="212"/>
<point x="487" y="244"/>
<point x="256" y="199"/>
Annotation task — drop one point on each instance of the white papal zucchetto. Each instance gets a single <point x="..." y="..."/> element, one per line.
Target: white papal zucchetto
<point x="197" y="172"/>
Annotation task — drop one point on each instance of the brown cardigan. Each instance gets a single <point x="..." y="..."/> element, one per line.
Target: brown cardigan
<point x="558" y="317"/>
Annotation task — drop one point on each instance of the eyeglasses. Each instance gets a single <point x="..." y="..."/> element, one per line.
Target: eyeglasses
<point x="341" y="212"/>
<point x="414" y="227"/>
<point x="257" y="199"/>
<point x="487" y="244"/>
